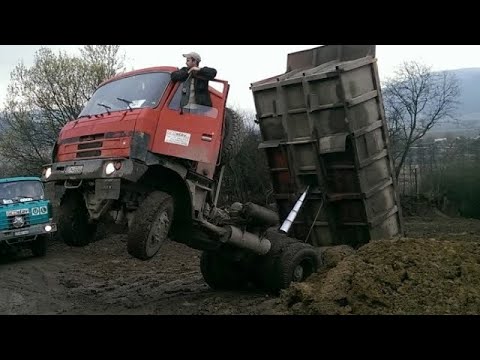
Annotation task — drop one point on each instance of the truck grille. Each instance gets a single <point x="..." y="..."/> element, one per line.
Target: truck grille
<point x="86" y="154"/>
<point x="26" y="222"/>
<point x="93" y="145"/>
<point x="87" y="144"/>
<point x="112" y="144"/>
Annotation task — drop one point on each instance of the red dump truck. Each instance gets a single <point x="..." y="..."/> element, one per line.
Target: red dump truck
<point x="135" y="156"/>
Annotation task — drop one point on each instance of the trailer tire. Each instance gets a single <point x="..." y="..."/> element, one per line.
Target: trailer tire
<point x="295" y="264"/>
<point x="150" y="226"/>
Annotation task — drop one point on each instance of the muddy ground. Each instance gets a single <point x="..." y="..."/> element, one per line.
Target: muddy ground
<point x="438" y="264"/>
<point x="102" y="278"/>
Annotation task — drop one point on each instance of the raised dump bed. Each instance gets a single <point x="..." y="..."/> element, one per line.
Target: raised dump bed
<point x="323" y="128"/>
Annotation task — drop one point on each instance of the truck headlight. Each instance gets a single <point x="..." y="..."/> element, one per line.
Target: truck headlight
<point x="48" y="228"/>
<point x="110" y="168"/>
<point x="48" y="172"/>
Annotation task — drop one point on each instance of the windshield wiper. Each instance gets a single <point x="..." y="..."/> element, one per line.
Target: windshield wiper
<point x="128" y="102"/>
<point x="106" y="107"/>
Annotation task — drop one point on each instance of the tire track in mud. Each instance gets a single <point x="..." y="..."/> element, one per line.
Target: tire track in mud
<point x="29" y="286"/>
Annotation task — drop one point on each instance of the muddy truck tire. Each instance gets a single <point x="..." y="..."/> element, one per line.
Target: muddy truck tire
<point x="296" y="263"/>
<point x="287" y="262"/>
<point x="150" y="226"/>
<point x="74" y="227"/>
<point x="234" y="136"/>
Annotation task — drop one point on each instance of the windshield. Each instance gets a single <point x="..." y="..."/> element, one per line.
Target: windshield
<point x="20" y="191"/>
<point x="133" y="92"/>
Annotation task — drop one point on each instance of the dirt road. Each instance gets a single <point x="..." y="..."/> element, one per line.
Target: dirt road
<point x="103" y="279"/>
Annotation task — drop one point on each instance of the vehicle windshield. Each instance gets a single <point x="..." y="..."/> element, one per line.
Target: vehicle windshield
<point x="25" y="190"/>
<point x="133" y="92"/>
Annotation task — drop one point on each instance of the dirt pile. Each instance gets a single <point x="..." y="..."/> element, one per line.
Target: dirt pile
<point x="404" y="276"/>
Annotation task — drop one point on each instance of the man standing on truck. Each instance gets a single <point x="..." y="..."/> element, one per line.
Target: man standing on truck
<point x="195" y="78"/>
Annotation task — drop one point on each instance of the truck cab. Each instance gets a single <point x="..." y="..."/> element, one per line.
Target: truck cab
<point x="134" y="155"/>
<point x="25" y="215"/>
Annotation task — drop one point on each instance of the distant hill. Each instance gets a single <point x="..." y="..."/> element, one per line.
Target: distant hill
<point x="469" y="108"/>
<point x="470" y="92"/>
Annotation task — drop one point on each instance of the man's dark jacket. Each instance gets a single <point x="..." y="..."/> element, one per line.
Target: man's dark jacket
<point x="201" y="78"/>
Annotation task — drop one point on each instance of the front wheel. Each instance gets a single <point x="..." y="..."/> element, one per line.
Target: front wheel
<point x="150" y="226"/>
<point x="39" y="246"/>
<point x="73" y="221"/>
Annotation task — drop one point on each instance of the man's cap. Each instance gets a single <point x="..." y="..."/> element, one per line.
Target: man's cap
<point x="193" y="55"/>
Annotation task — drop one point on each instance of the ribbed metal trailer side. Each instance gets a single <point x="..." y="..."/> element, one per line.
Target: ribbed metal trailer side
<point x="323" y="128"/>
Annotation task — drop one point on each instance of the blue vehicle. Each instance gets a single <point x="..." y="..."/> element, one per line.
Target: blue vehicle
<point x="25" y="215"/>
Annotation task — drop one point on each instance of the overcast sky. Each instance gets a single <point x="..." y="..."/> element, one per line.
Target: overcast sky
<point x="243" y="64"/>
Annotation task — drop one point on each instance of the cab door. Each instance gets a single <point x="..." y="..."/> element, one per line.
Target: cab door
<point x="192" y="133"/>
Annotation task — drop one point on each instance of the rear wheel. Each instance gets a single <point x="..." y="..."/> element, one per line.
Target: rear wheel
<point x="296" y="263"/>
<point x="73" y="221"/>
<point x="150" y="226"/>
<point x="287" y="262"/>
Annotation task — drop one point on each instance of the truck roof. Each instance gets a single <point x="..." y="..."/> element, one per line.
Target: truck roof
<point x="168" y="69"/>
<point x="20" y="178"/>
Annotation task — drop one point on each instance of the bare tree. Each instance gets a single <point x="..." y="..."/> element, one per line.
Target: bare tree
<point x="104" y="61"/>
<point x="41" y="99"/>
<point x="415" y="100"/>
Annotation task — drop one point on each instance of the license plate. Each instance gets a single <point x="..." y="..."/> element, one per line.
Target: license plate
<point x="75" y="169"/>
<point x="19" y="233"/>
<point x="17" y="212"/>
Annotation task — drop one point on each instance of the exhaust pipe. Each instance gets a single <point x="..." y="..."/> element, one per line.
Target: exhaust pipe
<point x="241" y="239"/>
<point x="259" y="215"/>
<point x="246" y="240"/>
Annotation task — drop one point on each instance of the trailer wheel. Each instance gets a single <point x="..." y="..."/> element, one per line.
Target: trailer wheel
<point x="295" y="264"/>
<point x="73" y="225"/>
<point x="39" y="246"/>
<point x="150" y="226"/>
<point x="221" y="272"/>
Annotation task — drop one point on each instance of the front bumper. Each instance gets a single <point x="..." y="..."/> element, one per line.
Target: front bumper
<point x="16" y="236"/>
<point x="77" y="170"/>
<point x="72" y="174"/>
